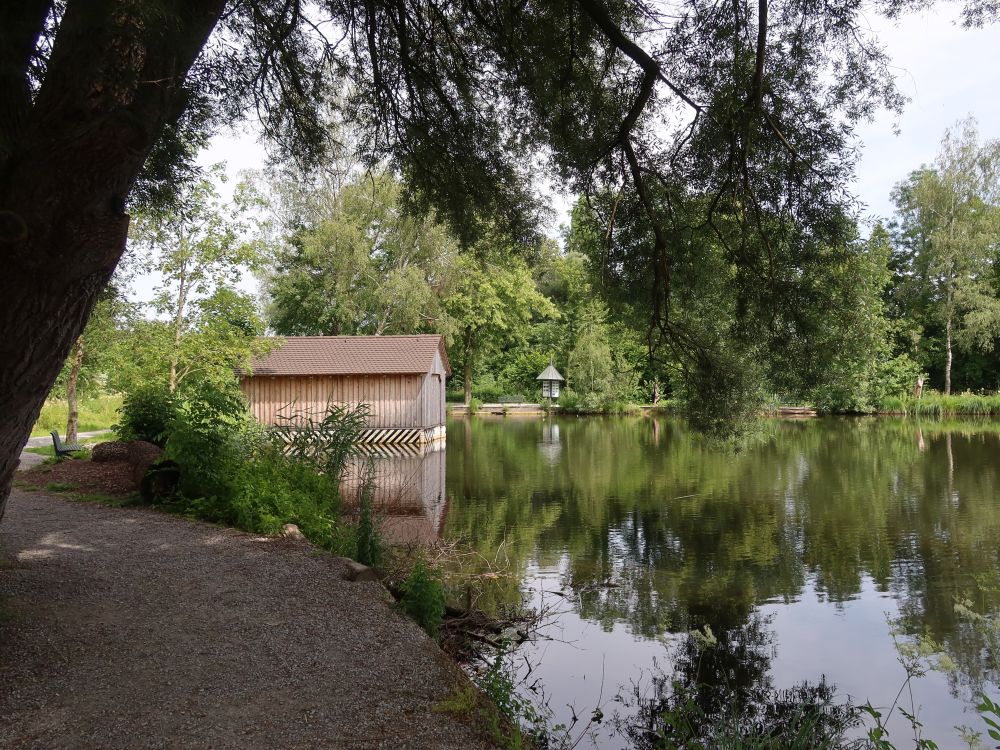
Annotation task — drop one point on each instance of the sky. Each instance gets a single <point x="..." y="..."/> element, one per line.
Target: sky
<point x="946" y="71"/>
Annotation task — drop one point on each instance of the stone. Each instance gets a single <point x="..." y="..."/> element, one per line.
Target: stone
<point x="291" y="531"/>
<point x="357" y="572"/>
<point x="113" y="450"/>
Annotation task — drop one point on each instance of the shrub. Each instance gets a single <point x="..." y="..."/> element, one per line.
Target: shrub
<point x="147" y="414"/>
<point x="568" y="400"/>
<point x="369" y="548"/>
<point x="211" y="437"/>
<point x="233" y="471"/>
<point x="423" y="598"/>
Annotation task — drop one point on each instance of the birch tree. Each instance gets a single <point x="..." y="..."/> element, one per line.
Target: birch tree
<point x="947" y="232"/>
<point x="197" y="250"/>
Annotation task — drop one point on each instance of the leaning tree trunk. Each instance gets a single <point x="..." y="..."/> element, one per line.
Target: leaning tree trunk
<point x="69" y="154"/>
<point x="73" y="411"/>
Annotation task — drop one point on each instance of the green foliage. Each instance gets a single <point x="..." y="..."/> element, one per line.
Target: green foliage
<point x="147" y="413"/>
<point x="353" y="262"/>
<point x="211" y="437"/>
<point x="513" y="713"/>
<point x="936" y="405"/>
<point x="490" y="306"/>
<point x="949" y="215"/>
<point x="369" y="547"/>
<point x="591" y="370"/>
<point x="326" y="443"/>
<point x="203" y="328"/>
<point x="234" y="472"/>
<point x="423" y="598"/>
<point x="270" y="491"/>
<point x="990" y="713"/>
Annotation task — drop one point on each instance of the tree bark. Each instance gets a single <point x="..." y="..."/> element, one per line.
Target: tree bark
<point x="467" y="367"/>
<point x="947" y="359"/>
<point x="111" y="84"/>
<point x="178" y="329"/>
<point x="73" y="417"/>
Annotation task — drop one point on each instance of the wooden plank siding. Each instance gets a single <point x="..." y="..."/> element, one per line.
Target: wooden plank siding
<point x="432" y="395"/>
<point x="395" y="401"/>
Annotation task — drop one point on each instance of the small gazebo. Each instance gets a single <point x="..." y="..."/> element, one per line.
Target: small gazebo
<point x="551" y="379"/>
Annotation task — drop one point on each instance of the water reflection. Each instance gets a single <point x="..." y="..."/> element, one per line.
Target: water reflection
<point x="409" y="495"/>
<point x="655" y="533"/>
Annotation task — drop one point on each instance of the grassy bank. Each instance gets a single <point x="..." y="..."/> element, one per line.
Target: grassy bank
<point x="97" y="413"/>
<point x="938" y="405"/>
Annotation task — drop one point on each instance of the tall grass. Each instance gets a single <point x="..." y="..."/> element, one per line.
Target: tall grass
<point x="937" y="405"/>
<point x="98" y="413"/>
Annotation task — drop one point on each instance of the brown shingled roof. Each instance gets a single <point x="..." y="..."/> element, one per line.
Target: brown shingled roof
<point x="352" y="355"/>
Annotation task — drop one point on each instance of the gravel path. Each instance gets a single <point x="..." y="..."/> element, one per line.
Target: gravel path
<point x="133" y="629"/>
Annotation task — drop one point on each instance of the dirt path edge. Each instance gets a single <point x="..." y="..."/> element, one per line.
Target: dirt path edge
<point x="128" y="628"/>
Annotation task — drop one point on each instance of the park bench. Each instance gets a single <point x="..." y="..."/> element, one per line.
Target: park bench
<point x="61" y="448"/>
<point x="518" y="399"/>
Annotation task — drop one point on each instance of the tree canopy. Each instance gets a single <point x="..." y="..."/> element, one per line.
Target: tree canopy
<point x="733" y="119"/>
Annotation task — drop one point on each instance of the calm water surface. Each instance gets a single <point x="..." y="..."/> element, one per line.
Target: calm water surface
<point x="794" y="551"/>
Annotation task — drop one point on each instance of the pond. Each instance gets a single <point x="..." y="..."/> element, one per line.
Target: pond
<point x="803" y="552"/>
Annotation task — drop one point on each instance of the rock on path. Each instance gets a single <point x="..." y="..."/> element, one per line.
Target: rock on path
<point x="133" y="629"/>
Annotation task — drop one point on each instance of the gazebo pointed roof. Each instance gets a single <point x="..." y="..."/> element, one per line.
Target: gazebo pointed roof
<point x="550" y="373"/>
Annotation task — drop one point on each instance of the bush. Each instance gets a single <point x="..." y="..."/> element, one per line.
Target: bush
<point x="147" y="414"/>
<point x="211" y="437"/>
<point x="235" y="472"/>
<point x="369" y="548"/>
<point x="568" y="400"/>
<point x="423" y="598"/>
<point x="326" y="443"/>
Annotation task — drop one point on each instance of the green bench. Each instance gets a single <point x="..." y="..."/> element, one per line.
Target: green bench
<point x="61" y="448"/>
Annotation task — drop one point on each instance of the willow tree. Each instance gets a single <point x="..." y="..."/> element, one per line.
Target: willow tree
<point x="749" y="103"/>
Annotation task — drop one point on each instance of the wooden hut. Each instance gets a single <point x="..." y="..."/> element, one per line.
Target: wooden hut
<point x="400" y="378"/>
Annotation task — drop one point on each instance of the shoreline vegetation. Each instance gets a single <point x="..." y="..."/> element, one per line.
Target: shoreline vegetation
<point x="932" y="405"/>
<point x="101" y="412"/>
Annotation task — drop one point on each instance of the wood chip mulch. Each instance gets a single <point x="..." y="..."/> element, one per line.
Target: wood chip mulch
<point x="84" y="476"/>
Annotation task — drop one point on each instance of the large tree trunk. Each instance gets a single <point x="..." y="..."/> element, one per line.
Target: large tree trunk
<point x="68" y="158"/>
<point x="73" y="415"/>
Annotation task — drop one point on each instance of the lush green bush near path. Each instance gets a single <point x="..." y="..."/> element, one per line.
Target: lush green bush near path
<point x="98" y="413"/>
<point x="234" y="471"/>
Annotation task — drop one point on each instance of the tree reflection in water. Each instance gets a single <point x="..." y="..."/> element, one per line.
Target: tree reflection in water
<point x="721" y="691"/>
<point x="655" y="532"/>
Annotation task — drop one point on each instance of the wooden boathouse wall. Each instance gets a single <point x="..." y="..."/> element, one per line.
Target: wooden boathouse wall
<point x="402" y="406"/>
<point x="393" y="400"/>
